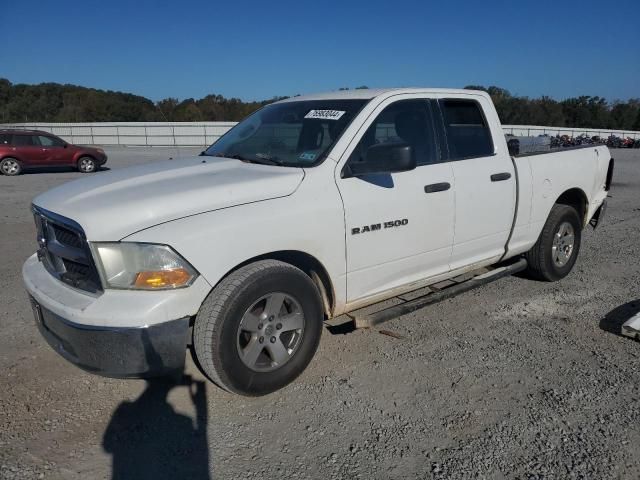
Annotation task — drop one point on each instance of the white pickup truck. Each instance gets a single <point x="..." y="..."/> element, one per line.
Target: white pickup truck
<point x="310" y="208"/>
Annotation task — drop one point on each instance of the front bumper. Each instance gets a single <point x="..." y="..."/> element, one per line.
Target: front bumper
<point x="116" y="333"/>
<point x="119" y="352"/>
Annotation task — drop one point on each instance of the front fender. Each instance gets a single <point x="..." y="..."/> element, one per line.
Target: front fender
<point x="216" y="242"/>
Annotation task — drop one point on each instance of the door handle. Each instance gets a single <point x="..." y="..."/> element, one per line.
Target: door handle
<point x="437" y="187"/>
<point x="499" y="177"/>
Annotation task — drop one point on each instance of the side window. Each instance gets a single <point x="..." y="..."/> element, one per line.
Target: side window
<point x="5" y="139"/>
<point x="22" y="140"/>
<point x="468" y="134"/>
<point x="405" y="121"/>
<point x="47" y="141"/>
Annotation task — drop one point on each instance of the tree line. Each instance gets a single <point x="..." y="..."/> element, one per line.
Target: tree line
<point x="54" y="102"/>
<point x="582" y="112"/>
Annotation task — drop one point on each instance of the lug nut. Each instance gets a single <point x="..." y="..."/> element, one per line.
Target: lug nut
<point x="261" y="340"/>
<point x="271" y="318"/>
<point x="279" y="326"/>
<point x="273" y="339"/>
<point x="260" y="326"/>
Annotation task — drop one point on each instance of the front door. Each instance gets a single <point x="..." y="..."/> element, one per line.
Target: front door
<point x="399" y="226"/>
<point x="55" y="153"/>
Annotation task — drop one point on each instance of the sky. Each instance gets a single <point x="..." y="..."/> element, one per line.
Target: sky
<point x="256" y="50"/>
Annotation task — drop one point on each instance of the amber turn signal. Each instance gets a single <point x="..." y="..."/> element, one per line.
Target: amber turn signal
<point x="176" y="277"/>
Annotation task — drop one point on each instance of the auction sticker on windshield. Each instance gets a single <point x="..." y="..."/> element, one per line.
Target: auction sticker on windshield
<point x="325" y="114"/>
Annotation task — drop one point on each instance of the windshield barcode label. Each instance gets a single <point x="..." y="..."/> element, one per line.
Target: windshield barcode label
<point x="326" y="114"/>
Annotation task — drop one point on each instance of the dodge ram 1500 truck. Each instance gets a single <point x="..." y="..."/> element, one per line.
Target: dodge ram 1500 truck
<point x="309" y="208"/>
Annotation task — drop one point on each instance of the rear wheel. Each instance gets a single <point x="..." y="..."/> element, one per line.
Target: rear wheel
<point x="259" y="328"/>
<point x="10" y="166"/>
<point x="556" y="251"/>
<point x="86" y="165"/>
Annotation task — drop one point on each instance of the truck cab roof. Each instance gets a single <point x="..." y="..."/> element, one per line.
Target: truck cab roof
<point x="369" y="93"/>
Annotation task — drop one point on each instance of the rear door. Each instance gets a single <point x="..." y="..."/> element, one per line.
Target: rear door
<point x="485" y="181"/>
<point x="55" y="153"/>
<point x="28" y="150"/>
<point x="399" y="226"/>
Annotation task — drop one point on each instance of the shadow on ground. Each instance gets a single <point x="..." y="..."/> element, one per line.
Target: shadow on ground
<point x="148" y="439"/>
<point x="342" y="328"/>
<point x="613" y="321"/>
<point x="33" y="171"/>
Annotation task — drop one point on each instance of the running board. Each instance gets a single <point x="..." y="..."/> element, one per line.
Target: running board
<point x="437" y="294"/>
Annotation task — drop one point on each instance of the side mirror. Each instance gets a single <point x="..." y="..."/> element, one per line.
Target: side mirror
<point x="65" y="145"/>
<point x="385" y="158"/>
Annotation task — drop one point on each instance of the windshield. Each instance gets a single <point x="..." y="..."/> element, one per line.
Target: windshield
<point x="292" y="134"/>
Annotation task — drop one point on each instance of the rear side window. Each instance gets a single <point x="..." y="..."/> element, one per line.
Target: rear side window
<point x="47" y="141"/>
<point x="5" y="139"/>
<point x="22" y="140"/>
<point x="468" y="135"/>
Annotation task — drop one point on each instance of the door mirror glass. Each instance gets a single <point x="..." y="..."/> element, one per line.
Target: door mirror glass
<point x="385" y="158"/>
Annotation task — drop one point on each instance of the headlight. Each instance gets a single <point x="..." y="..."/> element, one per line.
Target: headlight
<point x="142" y="266"/>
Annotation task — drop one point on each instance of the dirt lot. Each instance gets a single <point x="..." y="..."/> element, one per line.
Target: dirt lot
<point x="518" y="379"/>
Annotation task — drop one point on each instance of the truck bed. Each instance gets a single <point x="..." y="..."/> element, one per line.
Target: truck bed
<point x="544" y="176"/>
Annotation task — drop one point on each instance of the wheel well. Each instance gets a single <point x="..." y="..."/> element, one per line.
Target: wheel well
<point x="309" y="265"/>
<point x="577" y="199"/>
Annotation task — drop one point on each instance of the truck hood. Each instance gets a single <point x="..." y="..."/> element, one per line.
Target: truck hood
<point x="112" y="205"/>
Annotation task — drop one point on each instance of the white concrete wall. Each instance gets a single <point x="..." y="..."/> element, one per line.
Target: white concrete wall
<point x="205" y="133"/>
<point x="133" y="133"/>
<point x="535" y="130"/>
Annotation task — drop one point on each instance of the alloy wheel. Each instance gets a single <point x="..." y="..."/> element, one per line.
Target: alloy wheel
<point x="270" y="332"/>
<point x="10" y="167"/>
<point x="563" y="243"/>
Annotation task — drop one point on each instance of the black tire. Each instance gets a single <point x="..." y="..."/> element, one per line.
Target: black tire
<point x="10" y="166"/>
<point x="87" y="164"/>
<point x="542" y="265"/>
<point x="216" y="332"/>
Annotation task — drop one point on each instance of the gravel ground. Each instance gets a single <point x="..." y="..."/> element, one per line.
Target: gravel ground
<point x="518" y="379"/>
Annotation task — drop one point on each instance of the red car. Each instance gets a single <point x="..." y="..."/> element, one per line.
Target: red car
<point x="20" y="149"/>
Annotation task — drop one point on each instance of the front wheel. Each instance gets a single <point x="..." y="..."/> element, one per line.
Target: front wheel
<point x="259" y="328"/>
<point x="86" y="165"/>
<point x="556" y="251"/>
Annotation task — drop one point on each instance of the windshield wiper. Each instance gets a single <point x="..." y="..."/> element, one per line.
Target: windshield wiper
<point x="205" y="154"/>
<point x="259" y="161"/>
<point x="268" y="159"/>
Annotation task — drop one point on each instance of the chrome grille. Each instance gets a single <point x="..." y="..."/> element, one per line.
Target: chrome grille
<point x="64" y="251"/>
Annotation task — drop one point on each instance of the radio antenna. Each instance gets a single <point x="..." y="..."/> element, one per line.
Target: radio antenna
<point x="173" y="132"/>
